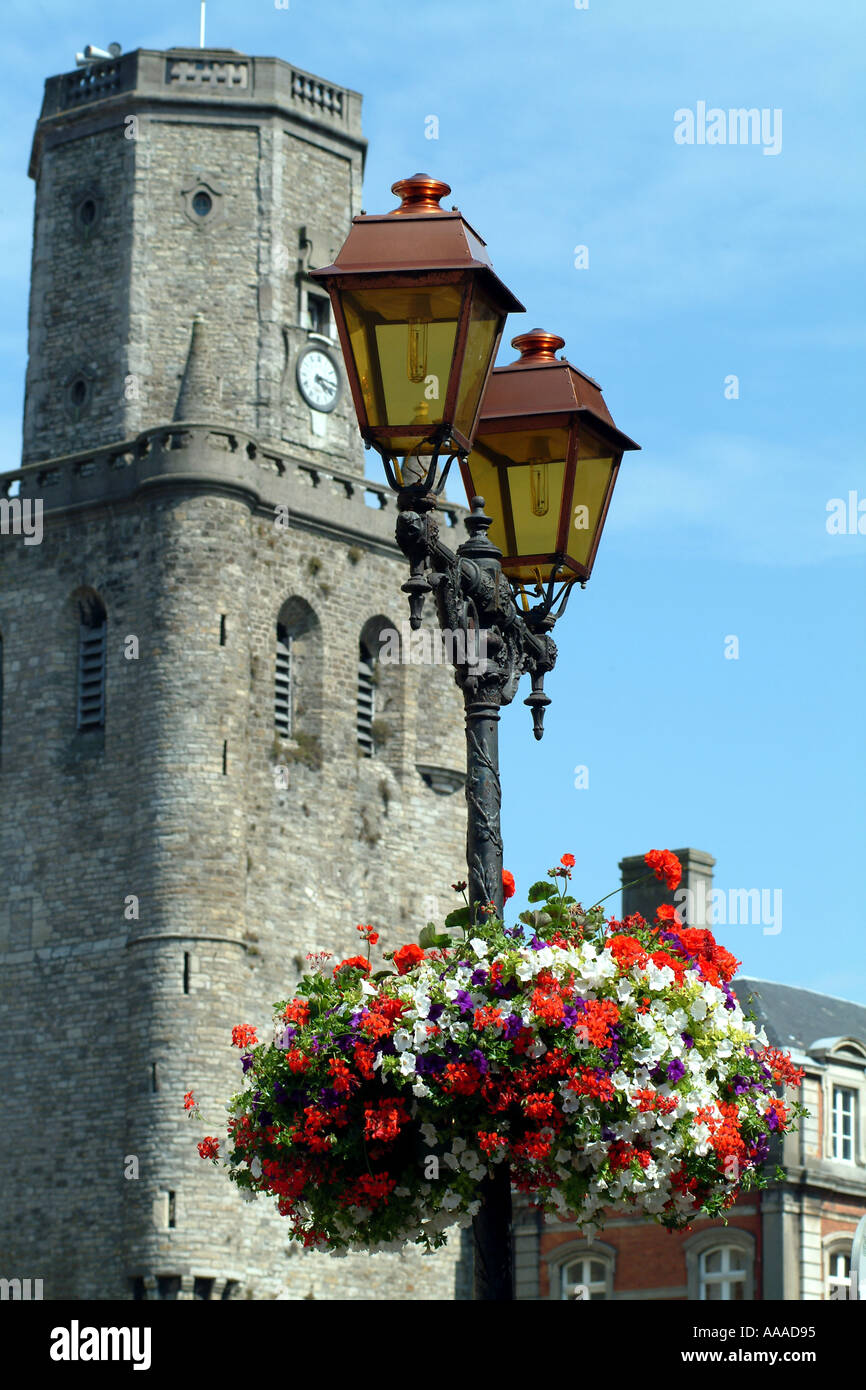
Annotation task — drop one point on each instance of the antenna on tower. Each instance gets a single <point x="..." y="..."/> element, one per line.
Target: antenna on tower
<point x="201" y="27"/>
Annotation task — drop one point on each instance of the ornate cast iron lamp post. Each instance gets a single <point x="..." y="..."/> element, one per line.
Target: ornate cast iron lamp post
<point x="420" y="314"/>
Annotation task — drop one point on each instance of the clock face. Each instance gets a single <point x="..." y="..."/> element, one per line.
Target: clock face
<point x="318" y="379"/>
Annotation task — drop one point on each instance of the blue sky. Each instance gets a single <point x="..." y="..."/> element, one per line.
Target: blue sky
<point x="556" y="129"/>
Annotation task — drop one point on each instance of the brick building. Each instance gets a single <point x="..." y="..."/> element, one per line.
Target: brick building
<point x="205" y="772"/>
<point x="791" y="1241"/>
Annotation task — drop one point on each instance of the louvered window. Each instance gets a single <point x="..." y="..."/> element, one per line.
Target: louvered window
<point x="283" y="684"/>
<point x="366" y="701"/>
<point x="91" y="675"/>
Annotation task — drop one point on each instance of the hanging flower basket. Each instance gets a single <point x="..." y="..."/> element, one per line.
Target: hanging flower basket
<point x="608" y="1063"/>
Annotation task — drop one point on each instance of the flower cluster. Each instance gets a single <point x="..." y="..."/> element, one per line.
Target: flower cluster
<point x="608" y="1063"/>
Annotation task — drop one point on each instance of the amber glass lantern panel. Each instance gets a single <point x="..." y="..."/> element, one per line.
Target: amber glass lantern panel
<point x="592" y="485"/>
<point x="403" y="346"/>
<point x="485" y="326"/>
<point x="540" y="522"/>
<point x="521" y="475"/>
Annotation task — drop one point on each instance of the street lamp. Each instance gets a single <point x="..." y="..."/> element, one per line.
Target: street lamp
<point x="420" y="314"/>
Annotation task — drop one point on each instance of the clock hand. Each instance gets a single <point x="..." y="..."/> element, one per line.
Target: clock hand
<point x="328" y="385"/>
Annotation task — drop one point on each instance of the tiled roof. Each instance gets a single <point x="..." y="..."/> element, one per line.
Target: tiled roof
<point x="798" y="1018"/>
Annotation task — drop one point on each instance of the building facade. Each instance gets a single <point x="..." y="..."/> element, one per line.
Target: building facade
<point x="205" y="770"/>
<point x="791" y="1241"/>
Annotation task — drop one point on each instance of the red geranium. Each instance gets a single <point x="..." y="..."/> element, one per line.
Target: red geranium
<point x="666" y="867"/>
<point x="407" y="957"/>
<point x="507" y="885"/>
<point x="354" y="963"/>
<point x="667" y="913"/>
<point x="244" y="1036"/>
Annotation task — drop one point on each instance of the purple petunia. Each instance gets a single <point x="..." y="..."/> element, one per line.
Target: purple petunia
<point x="675" y="1070"/>
<point x="463" y="1000"/>
<point x="688" y="1040"/>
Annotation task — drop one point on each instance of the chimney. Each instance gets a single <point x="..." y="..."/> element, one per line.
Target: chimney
<point x="646" y="896"/>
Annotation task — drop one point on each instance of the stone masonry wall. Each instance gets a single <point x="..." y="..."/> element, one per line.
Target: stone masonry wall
<point x="231" y="870"/>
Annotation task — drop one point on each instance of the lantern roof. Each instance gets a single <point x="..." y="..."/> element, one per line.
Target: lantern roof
<point x="417" y="236"/>
<point x="541" y="384"/>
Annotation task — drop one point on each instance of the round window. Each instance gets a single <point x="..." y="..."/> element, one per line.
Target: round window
<point x="202" y="203"/>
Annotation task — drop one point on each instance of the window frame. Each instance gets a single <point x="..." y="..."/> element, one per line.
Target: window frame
<point x="564" y="1256"/>
<point x="696" y="1246"/>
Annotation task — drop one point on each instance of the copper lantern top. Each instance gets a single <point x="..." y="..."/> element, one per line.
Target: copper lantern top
<point x="419" y="193"/>
<point x="541" y="384"/>
<point x="419" y="235"/>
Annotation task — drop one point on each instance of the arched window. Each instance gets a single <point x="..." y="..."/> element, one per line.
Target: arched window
<point x="723" y="1273"/>
<point x="839" y="1274"/>
<point x="720" y="1265"/>
<point x="1" y="697"/>
<point x="581" y="1272"/>
<point x="92" y="630"/>
<point x="378" y="699"/>
<point x="838" y="1253"/>
<point x="297" y="672"/>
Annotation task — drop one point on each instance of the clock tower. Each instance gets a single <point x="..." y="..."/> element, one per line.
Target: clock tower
<point x="206" y="771"/>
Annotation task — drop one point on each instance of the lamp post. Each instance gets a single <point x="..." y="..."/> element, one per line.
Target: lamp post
<point x="420" y="314"/>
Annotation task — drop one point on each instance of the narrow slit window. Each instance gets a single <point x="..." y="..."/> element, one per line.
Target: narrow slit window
<point x="283" y="683"/>
<point x="172" y="1214"/>
<point x="186" y="972"/>
<point x="222" y="629"/>
<point x="225" y="756"/>
<point x="154" y="1078"/>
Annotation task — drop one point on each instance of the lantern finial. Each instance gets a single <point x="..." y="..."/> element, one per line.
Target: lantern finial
<point x="420" y="193"/>
<point x="537" y="345"/>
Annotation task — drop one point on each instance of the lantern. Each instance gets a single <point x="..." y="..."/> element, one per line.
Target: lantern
<point x="545" y="460"/>
<point x="420" y="314"/>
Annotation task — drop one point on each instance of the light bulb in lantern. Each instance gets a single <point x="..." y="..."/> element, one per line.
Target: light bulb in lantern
<point x="539" y="481"/>
<point x="416" y="358"/>
<point x="538" y="488"/>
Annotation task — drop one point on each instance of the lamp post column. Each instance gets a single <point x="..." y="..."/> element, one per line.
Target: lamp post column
<point x="491" y="1229"/>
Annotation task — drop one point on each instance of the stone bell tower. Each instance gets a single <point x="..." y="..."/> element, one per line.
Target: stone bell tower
<point x="205" y="770"/>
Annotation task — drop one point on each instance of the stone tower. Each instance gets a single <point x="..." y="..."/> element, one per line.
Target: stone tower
<point x="205" y="772"/>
